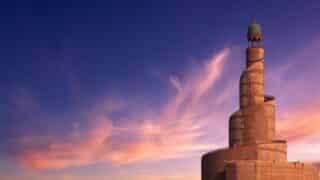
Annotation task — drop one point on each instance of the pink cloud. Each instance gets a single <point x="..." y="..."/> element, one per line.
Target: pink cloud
<point x="78" y="151"/>
<point x="173" y="131"/>
<point x="297" y="94"/>
<point x="297" y="125"/>
<point x="293" y="84"/>
<point x="177" y="129"/>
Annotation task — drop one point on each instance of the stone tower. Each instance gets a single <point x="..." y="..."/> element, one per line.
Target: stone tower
<point x="254" y="153"/>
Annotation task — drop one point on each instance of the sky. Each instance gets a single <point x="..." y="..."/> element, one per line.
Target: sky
<point x="141" y="89"/>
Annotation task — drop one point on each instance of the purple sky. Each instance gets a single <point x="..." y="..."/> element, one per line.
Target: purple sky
<point x="123" y="90"/>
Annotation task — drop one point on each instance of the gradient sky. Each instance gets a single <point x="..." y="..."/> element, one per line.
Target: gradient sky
<point x="140" y="89"/>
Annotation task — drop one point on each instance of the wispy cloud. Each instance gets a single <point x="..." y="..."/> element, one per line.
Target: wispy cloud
<point x="297" y="125"/>
<point x="181" y="127"/>
<point x="298" y="116"/>
<point x="173" y="131"/>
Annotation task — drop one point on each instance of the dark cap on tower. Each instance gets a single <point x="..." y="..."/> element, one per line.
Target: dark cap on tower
<point x="254" y="32"/>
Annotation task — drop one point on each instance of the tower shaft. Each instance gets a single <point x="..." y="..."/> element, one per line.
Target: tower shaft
<point x="254" y="122"/>
<point x="258" y="110"/>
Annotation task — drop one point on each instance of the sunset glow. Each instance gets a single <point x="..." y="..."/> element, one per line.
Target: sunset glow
<point x="115" y="92"/>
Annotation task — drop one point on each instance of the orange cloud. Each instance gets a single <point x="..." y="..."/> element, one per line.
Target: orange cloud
<point x="176" y="129"/>
<point x="297" y="94"/>
<point x="79" y="151"/>
<point x="173" y="132"/>
<point x="296" y="125"/>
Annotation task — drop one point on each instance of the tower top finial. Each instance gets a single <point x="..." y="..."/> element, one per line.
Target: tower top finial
<point x="254" y="31"/>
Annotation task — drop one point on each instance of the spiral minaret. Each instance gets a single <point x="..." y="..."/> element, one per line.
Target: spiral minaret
<point x="254" y="153"/>
<point x="254" y="122"/>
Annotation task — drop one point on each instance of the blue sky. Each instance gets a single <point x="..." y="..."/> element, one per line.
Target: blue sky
<point x="127" y="74"/>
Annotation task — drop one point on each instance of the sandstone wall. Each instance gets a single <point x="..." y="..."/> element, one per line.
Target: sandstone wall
<point x="269" y="170"/>
<point x="214" y="163"/>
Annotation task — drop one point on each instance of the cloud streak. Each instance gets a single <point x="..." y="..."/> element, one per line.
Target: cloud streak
<point x="174" y="131"/>
<point x="183" y="126"/>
